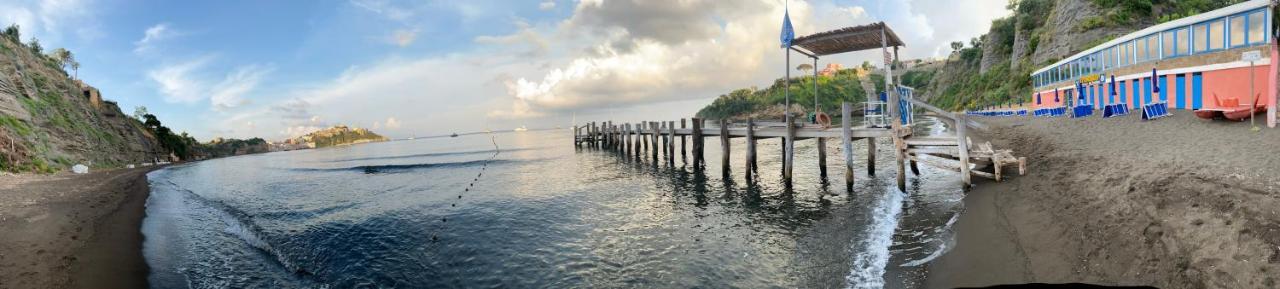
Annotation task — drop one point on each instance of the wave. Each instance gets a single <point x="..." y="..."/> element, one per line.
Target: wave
<point x="870" y="261"/>
<point x="475" y="152"/>
<point x="385" y="169"/>
<point x="239" y="224"/>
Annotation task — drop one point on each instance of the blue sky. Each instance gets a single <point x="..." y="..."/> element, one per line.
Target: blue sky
<point x="276" y="69"/>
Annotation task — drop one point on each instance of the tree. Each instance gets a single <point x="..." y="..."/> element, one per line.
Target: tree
<point x="13" y="33"/>
<point x="140" y="112"/>
<point x="956" y="46"/>
<point x="805" y="67"/>
<point x="866" y="65"/>
<point x="35" y="46"/>
<point x="64" y="58"/>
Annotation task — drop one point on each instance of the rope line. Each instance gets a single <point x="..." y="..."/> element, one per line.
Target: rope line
<point x="485" y="165"/>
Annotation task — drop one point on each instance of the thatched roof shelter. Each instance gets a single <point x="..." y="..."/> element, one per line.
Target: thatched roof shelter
<point x="849" y="39"/>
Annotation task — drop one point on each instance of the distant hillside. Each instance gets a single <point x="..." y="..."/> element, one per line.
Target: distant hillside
<point x="49" y="122"/>
<point x="336" y="136"/>
<point x="994" y="68"/>
<point x="769" y="102"/>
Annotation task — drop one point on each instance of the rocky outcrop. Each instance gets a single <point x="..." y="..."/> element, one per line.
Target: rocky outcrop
<point x="337" y="136"/>
<point x="1021" y="45"/>
<point x="992" y="50"/>
<point x="1062" y="36"/>
<point x="49" y="122"/>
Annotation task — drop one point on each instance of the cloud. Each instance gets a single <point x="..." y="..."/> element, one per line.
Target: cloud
<point x="176" y="82"/>
<point x="48" y="20"/>
<point x="188" y="83"/>
<point x="152" y="35"/>
<point x="547" y="5"/>
<point x="230" y="92"/>
<point x="525" y="36"/>
<point x="392" y="123"/>
<point x="404" y="37"/>
<point x="855" y="12"/>
<point x="382" y="7"/>
<point x="659" y="62"/>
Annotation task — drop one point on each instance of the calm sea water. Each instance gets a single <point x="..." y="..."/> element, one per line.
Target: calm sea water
<point x="536" y="212"/>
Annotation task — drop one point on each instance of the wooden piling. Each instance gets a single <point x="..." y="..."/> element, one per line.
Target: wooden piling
<point x="671" y="138"/>
<point x="724" y="146"/>
<point x="684" y="158"/>
<point x="751" y="148"/>
<point x="637" y="140"/>
<point x="789" y="157"/>
<point x="963" y="143"/>
<point x="697" y="143"/>
<point x="846" y="136"/>
<point x="653" y="135"/>
<point x="871" y="156"/>
<point x="822" y="157"/>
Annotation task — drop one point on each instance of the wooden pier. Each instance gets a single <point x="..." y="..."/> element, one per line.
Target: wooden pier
<point x="954" y="152"/>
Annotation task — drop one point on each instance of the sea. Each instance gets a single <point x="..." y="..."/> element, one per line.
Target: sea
<point x="531" y="210"/>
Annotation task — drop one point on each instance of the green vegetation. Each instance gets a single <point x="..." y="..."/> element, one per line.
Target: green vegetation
<point x="15" y="125"/>
<point x="340" y="135"/>
<point x="181" y="145"/>
<point x="844" y="86"/>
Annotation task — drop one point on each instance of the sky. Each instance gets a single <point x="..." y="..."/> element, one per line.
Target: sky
<point x="279" y="69"/>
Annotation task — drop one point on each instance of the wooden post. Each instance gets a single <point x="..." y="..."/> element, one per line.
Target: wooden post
<point x="608" y="134"/>
<point x="684" y="158"/>
<point x="789" y="157"/>
<point x="638" y="140"/>
<point x="895" y="125"/>
<point x="822" y="157"/>
<point x="871" y="156"/>
<point x="696" y="137"/>
<point x="751" y="148"/>
<point x="963" y="143"/>
<point x="626" y="138"/>
<point x="671" y="138"/>
<point x="846" y="135"/>
<point x="654" y="136"/>
<point x="724" y="146"/>
<point x="644" y="140"/>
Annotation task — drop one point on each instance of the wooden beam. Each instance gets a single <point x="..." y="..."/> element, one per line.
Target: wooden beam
<point x="847" y="140"/>
<point x="671" y="143"/>
<point x="871" y="156"/>
<point x="822" y="157"/>
<point x="653" y="135"/>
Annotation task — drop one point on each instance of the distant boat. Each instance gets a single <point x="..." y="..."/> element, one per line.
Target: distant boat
<point x="454" y="135"/>
<point x="521" y="128"/>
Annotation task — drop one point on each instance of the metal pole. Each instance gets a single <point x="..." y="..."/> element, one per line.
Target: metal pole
<point x="815" y="89"/>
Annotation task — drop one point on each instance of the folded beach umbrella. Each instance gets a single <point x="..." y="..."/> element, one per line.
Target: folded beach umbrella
<point x="1037" y="98"/>
<point x="1055" y="95"/>
<point x="1155" y="85"/>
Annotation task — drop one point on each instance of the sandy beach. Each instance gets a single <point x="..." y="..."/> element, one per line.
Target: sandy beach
<point x="73" y="231"/>
<point x="1175" y="203"/>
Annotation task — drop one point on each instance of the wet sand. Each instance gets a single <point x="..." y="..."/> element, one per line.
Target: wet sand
<point x="73" y="231"/>
<point x="1175" y="203"/>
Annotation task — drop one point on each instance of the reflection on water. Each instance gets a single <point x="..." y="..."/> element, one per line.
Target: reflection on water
<point x="432" y="213"/>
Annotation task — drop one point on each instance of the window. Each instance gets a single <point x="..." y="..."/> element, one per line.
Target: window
<point x="1126" y="56"/>
<point x="1237" y="31"/>
<point x="1217" y="34"/>
<point x="1167" y="44"/>
<point x="1141" y="49"/>
<point x="1258" y="26"/>
<point x="1153" y="47"/>
<point x="1200" y="38"/>
<point x="1183" y="38"/>
<point x="1105" y="59"/>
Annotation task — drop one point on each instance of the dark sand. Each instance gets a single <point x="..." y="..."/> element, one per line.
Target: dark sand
<point x="73" y="231"/>
<point x="1175" y="203"/>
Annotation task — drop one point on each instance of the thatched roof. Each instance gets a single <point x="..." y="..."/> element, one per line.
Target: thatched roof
<point x="848" y="39"/>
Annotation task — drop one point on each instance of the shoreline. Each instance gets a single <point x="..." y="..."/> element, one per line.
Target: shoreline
<point x="73" y="231"/>
<point x="1175" y="203"/>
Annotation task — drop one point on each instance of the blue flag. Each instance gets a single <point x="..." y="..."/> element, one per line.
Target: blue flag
<point x="1155" y="83"/>
<point x="788" y="34"/>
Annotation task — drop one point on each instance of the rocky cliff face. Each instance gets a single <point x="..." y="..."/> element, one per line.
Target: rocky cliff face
<point x="49" y="122"/>
<point x="1062" y="35"/>
<point x="992" y="52"/>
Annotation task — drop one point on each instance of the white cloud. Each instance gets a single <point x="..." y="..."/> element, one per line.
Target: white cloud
<point x="547" y="5"/>
<point x="176" y="82"/>
<point x="384" y="8"/>
<point x="152" y="35"/>
<point x="392" y="123"/>
<point x="855" y="12"/>
<point x="48" y="20"/>
<point x="188" y="82"/>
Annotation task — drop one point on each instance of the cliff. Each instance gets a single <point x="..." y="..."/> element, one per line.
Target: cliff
<point x="336" y="136"/>
<point x="49" y="122"/>
<point x="994" y="69"/>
